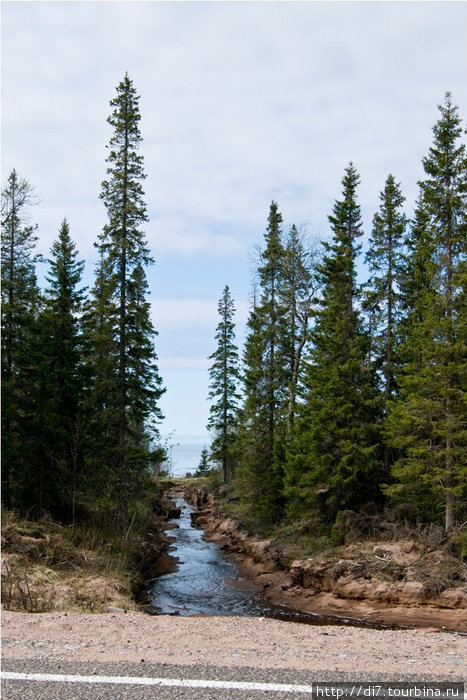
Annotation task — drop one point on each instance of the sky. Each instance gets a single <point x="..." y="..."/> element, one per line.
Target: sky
<point x="242" y="103"/>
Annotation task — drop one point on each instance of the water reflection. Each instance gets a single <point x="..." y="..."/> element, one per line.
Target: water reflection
<point x="205" y="580"/>
<point x="207" y="583"/>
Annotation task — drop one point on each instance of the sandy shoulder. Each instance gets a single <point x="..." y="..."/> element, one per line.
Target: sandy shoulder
<point x="231" y="641"/>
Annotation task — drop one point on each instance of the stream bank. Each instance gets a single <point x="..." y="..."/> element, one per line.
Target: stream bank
<point x="89" y="566"/>
<point x="205" y="581"/>
<point x="377" y="582"/>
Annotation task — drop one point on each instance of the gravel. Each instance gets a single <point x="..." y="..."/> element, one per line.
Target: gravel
<point x="232" y="642"/>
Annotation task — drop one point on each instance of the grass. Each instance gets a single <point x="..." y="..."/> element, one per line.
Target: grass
<point x="356" y="536"/>
<point x="305" y="539"/>
<point x="86" y="568"/>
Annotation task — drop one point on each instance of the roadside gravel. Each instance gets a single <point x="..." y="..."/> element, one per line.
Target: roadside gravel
<point x="232" y="642"/>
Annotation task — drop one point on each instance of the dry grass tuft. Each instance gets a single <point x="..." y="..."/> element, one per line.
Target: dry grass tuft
<point x="46" y="566"/>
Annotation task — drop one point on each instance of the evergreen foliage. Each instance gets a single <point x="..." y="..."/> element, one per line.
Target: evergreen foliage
<point x="384" y="258"/>
<point x="346" y="391"/>
<point x="20" y="305"/>
<point x="266" y="383"/>
<point x="298" y="292"/>
<point x="417" y="278"/>
<point x="382" y="295"/>
<point x="224" y="376"/>
<point x="127" y="385"/>
<point x="60" y="378"/>
<point x="203" y="466"/>
<point x="333" y="462"/>
<point x="428" y="424"/>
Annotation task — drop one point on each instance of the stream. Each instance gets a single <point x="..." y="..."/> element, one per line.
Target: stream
<point x="205" y="581"/>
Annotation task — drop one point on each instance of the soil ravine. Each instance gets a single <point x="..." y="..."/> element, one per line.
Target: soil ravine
<point x="280" y="586"/>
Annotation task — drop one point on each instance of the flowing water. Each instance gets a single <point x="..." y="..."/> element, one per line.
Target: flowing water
<point x="205" y="582"/>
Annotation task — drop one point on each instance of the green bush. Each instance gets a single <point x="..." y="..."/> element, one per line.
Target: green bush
<point x="459" y="542"/>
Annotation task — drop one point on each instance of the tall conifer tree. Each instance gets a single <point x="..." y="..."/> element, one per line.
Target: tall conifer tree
<point x="267" y="374"/>
<point x="416" y="276"/>
<point x="429" y="422"/>
<point x="332" y="462"/>
<point x="20" y="305"/>
<point x="60" y="378"/>
<point x="382" y="296"/>
<point x="127" y="382"/>
<point x="298" y="291"/>
<point x="225" y="376"/>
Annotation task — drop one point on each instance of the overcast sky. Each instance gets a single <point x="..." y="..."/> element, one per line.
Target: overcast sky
<point x="242" y="103"/>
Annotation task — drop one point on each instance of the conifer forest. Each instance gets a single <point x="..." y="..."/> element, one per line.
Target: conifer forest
<point x="347" y="394"/>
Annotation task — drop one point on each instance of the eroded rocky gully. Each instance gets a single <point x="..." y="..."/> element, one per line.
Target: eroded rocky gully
<point x="381" y="583"/>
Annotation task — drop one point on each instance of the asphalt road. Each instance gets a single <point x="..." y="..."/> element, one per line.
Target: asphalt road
<point x="219" y="683"/>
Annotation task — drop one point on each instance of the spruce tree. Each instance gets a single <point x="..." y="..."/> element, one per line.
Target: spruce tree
<point x="127" y="384"/>
<point x="382" y="295"/>
<point x="332" y="464"/>
<point x="298" y="291"/>
<point x="20" y="306"/>
<point x="224" y="376"/>
<point x="384" y="258"/>
<point x="416" y="276"/>
<point x="203" y="466"/>
<point x="266" y="381"/>
<point x="428" y="424"/>
<point x="60" y="428"/>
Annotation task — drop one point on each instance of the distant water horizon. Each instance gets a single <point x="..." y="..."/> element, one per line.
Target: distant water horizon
<point x="184" y="453"/>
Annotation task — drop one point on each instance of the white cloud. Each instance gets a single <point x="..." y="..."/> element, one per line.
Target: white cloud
<point x="173" y="231"/>
<point x="174" y="313"/>
<point x="187" y="313"/>
<point x="184" y="363"/>
<point x="241" y="103"/>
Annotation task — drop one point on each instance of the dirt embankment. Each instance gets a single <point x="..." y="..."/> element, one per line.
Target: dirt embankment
<point x="47" y="566"/>
<point x="392" y="581"/>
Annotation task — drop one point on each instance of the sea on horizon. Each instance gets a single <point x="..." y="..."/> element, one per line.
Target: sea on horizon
<point x="184" y="453"/>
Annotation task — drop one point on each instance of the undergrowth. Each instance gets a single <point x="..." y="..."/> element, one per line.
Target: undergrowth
<point x="86" y="567"/>
<point x="311" y="537"/>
